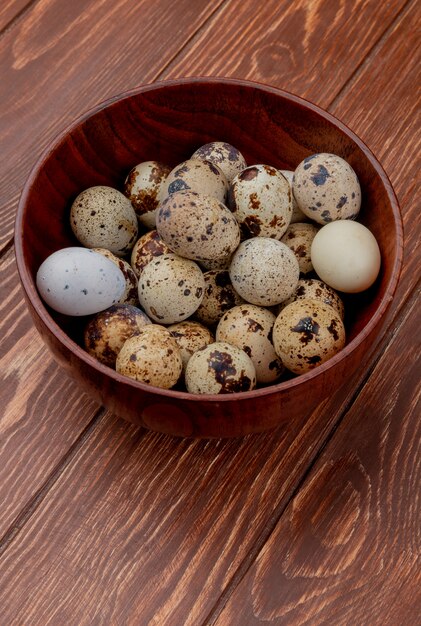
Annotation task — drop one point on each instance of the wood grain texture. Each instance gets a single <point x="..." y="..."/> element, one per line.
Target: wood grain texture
<point x="346" y="551"/>
<point x="64" y="57"/>
<point x="10" y="9"/>
<point x="35" y="400"/>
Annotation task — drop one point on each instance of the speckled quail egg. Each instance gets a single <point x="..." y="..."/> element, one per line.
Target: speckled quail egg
<point x="190" y="337"/>
<point x="143" y="186"/>
<point x="306" y="334"/>
<point x="130" y="293"/>
<point x="346" y="256"/>
<point x="102" y="217"/>
<point x="224" y="155"/>
<point x="197" y="226"/>
<point x="219" y="297"/>
<point x="264" y="271"/>
<point x="297" y="214"/>
<point x="326" y="188"/>
<point x="218" y="369"/>
<point x="147" y="247"/>
<point x="171" y="288"/>
<point x="151" y="357"/>
<point x="261" y="200"/>
<point x="106" y="333"/>
<point x="196" y="175"/>
<point x="222" y="263"/>
<point x="313" y="289"/>
<point x="77" y="281"/>
<point x="299" y="237"/>
<point x="249" y="327"/>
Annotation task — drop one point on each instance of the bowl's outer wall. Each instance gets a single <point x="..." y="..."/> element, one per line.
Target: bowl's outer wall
<point x="168" y="122"/>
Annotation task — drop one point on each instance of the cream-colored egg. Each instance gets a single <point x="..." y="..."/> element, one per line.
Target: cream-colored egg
<point x="313" y="289"/>
<point x="218" y="369"/>
<point x="261" y="200"/>
<point x="297" y="214"/>
<point x="106" y="333"/>
<point x="77" y="281"/>
<point x="143" y="186"/>
<point x="326" y="188"/>
<point x="190" y="337"/>
<point x="130" y="293"/>
<point x="299" y="237"/>
<point x="196" y="175"/>
<point x="171" y="288"/>
<point x="224" y="155"/>
<point x="197" y="226"/>
<point x="147" y="247"/>
<point x="219" y="297"/>
<point x="346" y="256"/>
<point x="102" y="217"/>
<point x="152" y="357"/>
<point x="249" y="327"/>
<point x="264" y="271"/>
<point x="306" y="334"/>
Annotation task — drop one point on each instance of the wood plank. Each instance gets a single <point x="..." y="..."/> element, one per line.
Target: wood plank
<point x="64" y="57"/>
<point x="10" y="9"/>
<point x="346" y="550"/>
<point x="36" y="399"/>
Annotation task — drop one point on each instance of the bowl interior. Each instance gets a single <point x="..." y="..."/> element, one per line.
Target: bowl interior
<point x="168" y="122"/>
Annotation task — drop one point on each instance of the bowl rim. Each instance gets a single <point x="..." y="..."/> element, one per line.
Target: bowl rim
<point x="29" y="287"/>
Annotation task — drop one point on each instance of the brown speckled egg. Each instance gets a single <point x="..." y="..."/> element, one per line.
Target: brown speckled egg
<point x="196" y="175"/>
<point x="261" y="200"/>
<point x="222" y="263"/>
<point x="306" y="334"/>
<point x="326" y="188"/>
<point x="264" y="271"/>
<point x="130" y="293"/>
<point x="190" y="337"/>
<point x="220" y="296"/>
<point x="220" y="368"/>
<point x="171" y="288"/>
<point x="249" y="327"/>
<point x="146" y="248"/>
<point x="106" y="333"/>
<point x="297" y="214"/>
<point x="197" y="227"/>
<point x="152" y="357"/>
<point x="142" y="186"/>
<point x="224" y="155"/>
<point x="102" y="217"/>
<point x="313" y="289"/>
<point x="299" y="237"/>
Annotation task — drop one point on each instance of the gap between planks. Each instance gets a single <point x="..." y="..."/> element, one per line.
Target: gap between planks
<point x="17" y="17"/>
<point x="272" y="523"/>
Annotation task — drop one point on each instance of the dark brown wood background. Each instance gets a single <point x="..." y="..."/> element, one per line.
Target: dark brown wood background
<point x="103" y="523"/>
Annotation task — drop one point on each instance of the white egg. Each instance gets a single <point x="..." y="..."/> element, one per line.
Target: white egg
<point x="346" y="256"/>
<point x="78" y="281"/>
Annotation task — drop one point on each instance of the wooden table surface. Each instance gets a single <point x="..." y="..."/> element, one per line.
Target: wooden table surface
<point x="105" y="523"/>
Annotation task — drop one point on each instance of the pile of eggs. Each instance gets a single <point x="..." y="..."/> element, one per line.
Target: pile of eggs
<point x="233" y="281"/>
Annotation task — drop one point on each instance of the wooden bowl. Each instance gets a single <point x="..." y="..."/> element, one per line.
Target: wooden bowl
<point x="167" y="121"/>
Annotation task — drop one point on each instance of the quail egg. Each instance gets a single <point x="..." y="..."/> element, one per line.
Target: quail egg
<point x="219" y="296"/>
<point x="224" y="155"/>
<point x="147" y="247"/>
<point x="297" y="214"/>
<point x="171" y="288"/>
<point x="220" y="368"/>
<point x="326" y="188"/>
<point x="249" y="327"/>
<point x="142" y="186"/>
<point x="130" y="293"/>
<point x="197" y="227"/>
<point x="299" y="237"/>
<point x="197" y="175"/>
<point x="313" y="289"/>
<point x="261" y="200"/>
<point x="152" y="357"/>
<point x="306" y="334"/>
<point x="106" y="333"/>
<point x="102" y="217"/>
<point x="190" y="337"/>
<point x="264" y="271"/>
